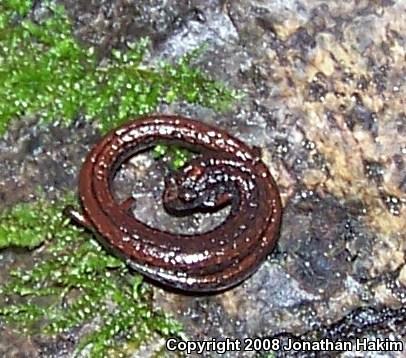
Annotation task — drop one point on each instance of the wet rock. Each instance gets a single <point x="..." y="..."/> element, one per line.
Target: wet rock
<point x="324" y="98"/>
<point x="43" y="159"/>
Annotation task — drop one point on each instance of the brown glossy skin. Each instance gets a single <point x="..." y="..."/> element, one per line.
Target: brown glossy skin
<point x="228" y="173"/>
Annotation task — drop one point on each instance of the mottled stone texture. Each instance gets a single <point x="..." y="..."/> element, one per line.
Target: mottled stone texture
<point x="324" y="85"/>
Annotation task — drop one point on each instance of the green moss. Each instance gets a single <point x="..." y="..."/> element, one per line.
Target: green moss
<point x="11" y="9"/>
<point x="76" y="282"/>
<point x="176" y="156"/>
<point x="44" y="71"/>
<point x="23" y="227"/>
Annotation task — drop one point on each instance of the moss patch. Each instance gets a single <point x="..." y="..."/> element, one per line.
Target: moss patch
<point x="76" y="283"/>
<point x="44" y="71"/>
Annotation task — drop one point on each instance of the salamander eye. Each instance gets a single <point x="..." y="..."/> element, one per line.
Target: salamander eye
<point x="187" y="195"/>
<point x="173" y="180"/>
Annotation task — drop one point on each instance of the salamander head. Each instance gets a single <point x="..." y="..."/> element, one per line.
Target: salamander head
<point x="192" y="189"/>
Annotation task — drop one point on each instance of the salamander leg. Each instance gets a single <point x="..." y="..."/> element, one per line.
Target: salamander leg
<point x="127" y="204"/>
<point x="77" y="217"/>
<point x="257" y="151"/>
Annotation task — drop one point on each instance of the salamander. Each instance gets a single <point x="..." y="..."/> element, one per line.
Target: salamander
<point x="226" y="172"/>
